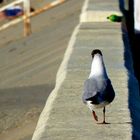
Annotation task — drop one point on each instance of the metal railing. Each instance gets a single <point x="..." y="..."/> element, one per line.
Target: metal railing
<point x="27" y="14"/>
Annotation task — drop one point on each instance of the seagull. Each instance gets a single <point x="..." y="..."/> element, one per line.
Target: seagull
<point x="98" y="90"/>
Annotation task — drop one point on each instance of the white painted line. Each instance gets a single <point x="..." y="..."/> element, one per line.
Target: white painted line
<point x="85" y="6"/>
<point x="61" y="75"/>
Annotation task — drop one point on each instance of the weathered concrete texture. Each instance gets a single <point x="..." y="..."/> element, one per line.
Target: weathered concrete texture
<point x="99" y="10"/>
<point x="68" y="117"/>
<point x="101" y="5"/>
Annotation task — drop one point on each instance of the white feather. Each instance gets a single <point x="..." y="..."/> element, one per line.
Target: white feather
<point x="90" y="105"/>
<point x="97" y="66"/>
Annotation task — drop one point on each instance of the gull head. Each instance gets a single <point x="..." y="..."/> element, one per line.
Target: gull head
<point x="96" y="51"/>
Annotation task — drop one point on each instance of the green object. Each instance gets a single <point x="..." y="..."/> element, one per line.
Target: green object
<point x="115" y="18"/>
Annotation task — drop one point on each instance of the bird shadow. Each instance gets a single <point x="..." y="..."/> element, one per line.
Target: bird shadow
<point x="131" y="58"/>
<point x="106" y="123"/>
<point x="120" y="123"/>
<point x="110" y="123"/>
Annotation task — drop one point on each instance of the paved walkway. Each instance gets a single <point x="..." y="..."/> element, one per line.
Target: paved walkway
<point x="65" y="116"/>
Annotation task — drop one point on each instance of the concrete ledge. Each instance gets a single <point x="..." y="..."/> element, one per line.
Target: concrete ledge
<point x="97" y="16"/>
<point x="61" y="75"/>
<point x="98" y="11"/>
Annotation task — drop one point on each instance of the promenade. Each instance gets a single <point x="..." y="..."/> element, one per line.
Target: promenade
<point x="65" y="117"/>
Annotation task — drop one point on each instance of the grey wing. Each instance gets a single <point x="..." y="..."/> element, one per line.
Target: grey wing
<point x="109" y="93"/>
<point x="90" y="89"/>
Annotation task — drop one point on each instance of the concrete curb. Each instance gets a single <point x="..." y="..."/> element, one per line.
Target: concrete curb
<point x="95" y="16"/>
<point x="61" y="75"/>
<point x="86" y="16"/>
<point x="98" y="16"/>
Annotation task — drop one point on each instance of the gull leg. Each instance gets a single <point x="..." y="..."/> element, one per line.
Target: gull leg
<point x="104" y="116"/>
<point x="94" y="115"/>
<point x="104" y="122"/>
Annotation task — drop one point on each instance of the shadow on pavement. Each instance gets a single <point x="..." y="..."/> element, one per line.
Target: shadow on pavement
<point x="132" y="57"/>
<point x="133" y="89"/>
<point x="20" y="106"/>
